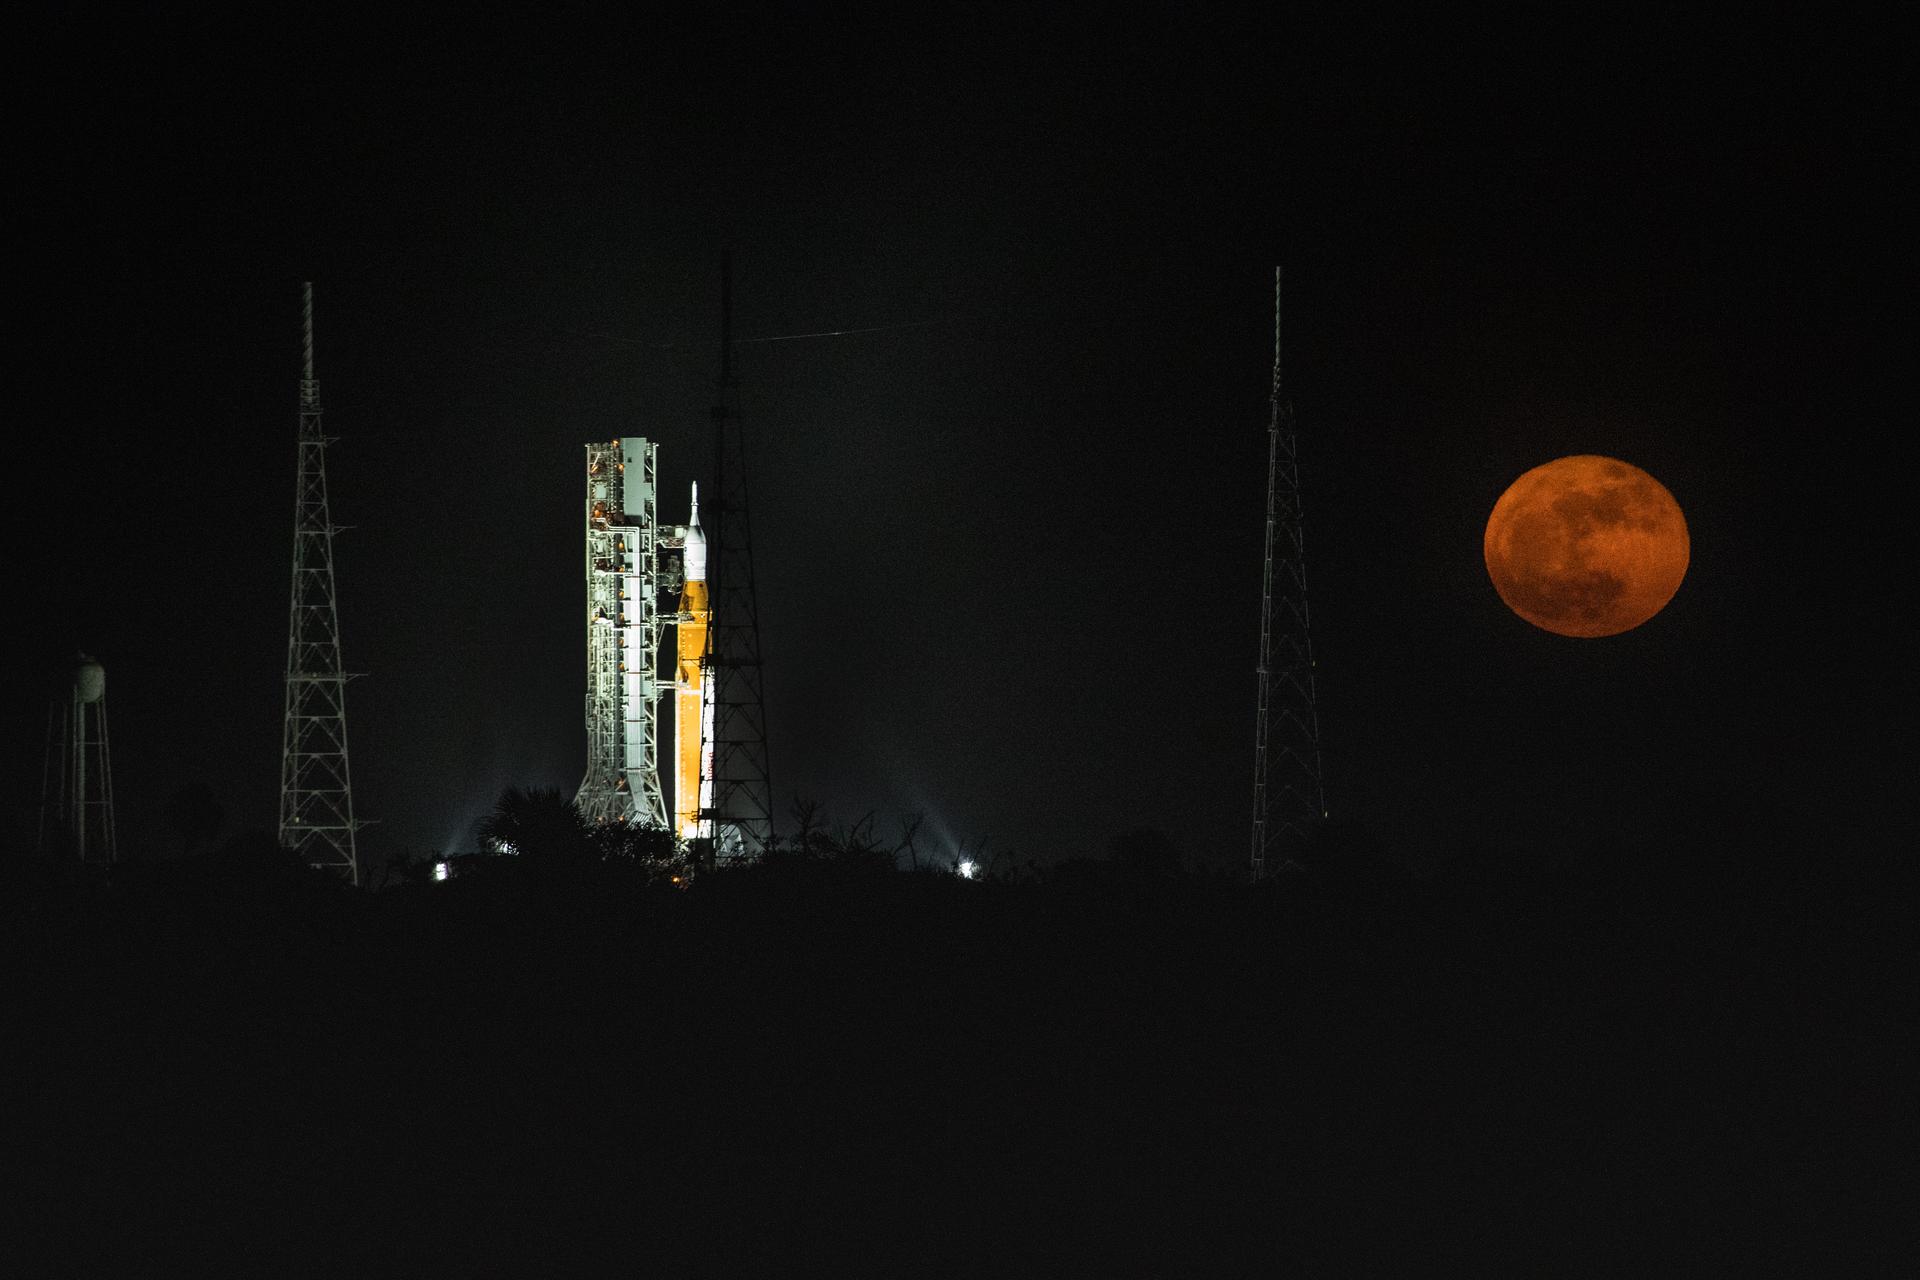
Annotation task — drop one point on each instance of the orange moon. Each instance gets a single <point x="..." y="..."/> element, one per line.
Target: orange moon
<point x="1586" y="546"/>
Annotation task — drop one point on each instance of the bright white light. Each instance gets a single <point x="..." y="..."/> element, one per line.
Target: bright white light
<point x="968" y="868"/>
<point x="441" y="870"/>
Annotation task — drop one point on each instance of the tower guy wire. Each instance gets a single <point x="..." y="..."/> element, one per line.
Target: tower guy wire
<point x="1289" y="792"/>
<point x="316" y="789"/>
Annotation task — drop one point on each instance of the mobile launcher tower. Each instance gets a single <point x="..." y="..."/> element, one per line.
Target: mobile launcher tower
<point x="623" y="636"/>
<point x="627" y="584"/>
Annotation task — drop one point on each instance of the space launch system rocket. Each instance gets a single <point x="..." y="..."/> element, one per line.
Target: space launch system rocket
<point x="693" y="696"/>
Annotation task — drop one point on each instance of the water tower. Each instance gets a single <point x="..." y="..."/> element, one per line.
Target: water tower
<point x="76" y="797"/>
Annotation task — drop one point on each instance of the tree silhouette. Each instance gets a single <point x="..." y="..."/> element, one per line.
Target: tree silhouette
<point x="632" y="844"/>
<point x="909" y="832"/>
<point x="809" y="836"/>
<point x="542" y="825"/>
<point x="539" y="823"/>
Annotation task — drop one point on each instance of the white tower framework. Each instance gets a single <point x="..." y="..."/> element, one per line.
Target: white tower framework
<point x="622" y="782"/>
<point x="76" y="799"/>
<point x="316" y="790"/>
<point x="1288" y="792"/>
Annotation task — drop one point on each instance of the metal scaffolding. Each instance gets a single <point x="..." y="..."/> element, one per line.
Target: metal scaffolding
<point x="742" y="813"/>
<point x="1289" y="793"/>
<point x="622" y="782"/>
<point x="316" y="791"/>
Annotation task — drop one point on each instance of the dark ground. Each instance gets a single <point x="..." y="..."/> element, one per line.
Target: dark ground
<point x="224" y="1063"/>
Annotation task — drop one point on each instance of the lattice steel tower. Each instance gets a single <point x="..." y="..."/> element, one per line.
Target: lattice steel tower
<point x="1288" y="791"/>
<point x="622" y="782"/>
<point x="742" y="788"/>
<point x="316" y="790"/>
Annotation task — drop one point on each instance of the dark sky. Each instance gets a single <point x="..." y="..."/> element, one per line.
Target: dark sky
<point x="1009" y="555"/>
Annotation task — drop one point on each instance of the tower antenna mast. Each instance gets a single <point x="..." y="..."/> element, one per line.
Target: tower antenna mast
<point x="316" y="790"/>
<point x="1289" y="792"/>
<point x="742" y="813"/>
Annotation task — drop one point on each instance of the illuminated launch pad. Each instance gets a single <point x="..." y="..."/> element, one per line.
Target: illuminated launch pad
<point x="632" y="570"/>
<point x="622" y="782"/>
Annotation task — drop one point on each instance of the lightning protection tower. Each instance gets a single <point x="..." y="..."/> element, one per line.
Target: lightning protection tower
<point x="76" y="797"/>
<point x="1288" y="791"/>
<point x="316" y="790"/>
<point x="622" y="782"/>
<point x="742" y="814"/>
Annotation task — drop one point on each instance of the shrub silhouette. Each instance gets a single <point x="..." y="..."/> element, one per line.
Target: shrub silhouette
<point x="539" y="823"/>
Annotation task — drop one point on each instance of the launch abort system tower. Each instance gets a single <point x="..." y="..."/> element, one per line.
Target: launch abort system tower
<point x="622" y="782"/>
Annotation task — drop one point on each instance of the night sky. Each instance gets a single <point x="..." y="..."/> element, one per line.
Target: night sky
<point x="1009" y="550"/>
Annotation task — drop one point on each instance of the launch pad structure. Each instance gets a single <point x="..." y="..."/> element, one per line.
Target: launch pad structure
<point x="634" y="567"/>
<point x="622" y="782"/>
<point x="722" y="798"/>
<point x="742" y="806"/>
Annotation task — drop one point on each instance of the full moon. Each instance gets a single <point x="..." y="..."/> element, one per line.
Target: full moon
<point x="1586" y="546"/>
